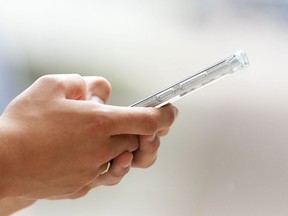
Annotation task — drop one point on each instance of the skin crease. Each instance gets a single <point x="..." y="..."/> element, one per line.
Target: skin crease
<point x="80" y="136"/>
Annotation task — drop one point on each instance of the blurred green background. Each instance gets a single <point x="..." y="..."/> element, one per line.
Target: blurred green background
<point x="227" y="153"/>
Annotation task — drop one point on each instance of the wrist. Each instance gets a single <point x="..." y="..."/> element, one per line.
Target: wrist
<point x="7" y="188"/>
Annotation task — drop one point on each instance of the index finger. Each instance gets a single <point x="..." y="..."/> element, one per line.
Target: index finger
<point x="97" y="86"/>
<point x="141" y="120"/>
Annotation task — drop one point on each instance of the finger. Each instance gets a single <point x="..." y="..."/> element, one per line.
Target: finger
<point x="115" y="146"/>
<point x="97" y="86"/>
<point x="123" y="143"/>
<point x="118" y="169"/>
<point x="72" y="86"/>
<point x="140" y="120"/>
<point x="164" y="132"/>
<point x="105" y="167"/>
<point x="69" y="86"/>
<point x="78" y="194"/>
<point x="95" y="99"/>
<point x="146" y="155"/>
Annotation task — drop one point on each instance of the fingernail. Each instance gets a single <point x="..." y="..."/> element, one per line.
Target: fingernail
<point x="96" y="99"/>
<point x="175" y="111"/>
<point x="151" y="138"/>
<point x="127" y="165"/>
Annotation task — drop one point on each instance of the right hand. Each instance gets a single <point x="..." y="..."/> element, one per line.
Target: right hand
<point x="54" y="142"/>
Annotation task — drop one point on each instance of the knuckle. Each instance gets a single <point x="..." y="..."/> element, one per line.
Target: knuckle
<point x="100" y="86"/>
<point x="103" y="82"/>
<point x="58" y="81"/>
<point x="54" y="82"/>
<point x="77" y="80"/>
<point x="46" y="80"/>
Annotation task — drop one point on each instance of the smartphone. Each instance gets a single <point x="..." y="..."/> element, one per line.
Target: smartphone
<point x="236" y="62"/>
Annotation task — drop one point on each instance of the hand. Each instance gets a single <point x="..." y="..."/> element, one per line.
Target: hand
<point x="143" y="157"/>
<point x="57" y="143"/>
<point x="9" y="206"/>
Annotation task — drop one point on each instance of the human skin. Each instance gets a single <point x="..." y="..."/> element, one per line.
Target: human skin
<point x="58" y="135"/>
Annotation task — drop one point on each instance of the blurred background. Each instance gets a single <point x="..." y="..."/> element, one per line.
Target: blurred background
<point x="227" y="153"/>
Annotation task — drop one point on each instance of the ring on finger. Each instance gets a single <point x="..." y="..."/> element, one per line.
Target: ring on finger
<point x="107" y="168"/>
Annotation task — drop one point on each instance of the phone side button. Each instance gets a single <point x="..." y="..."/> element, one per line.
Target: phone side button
<point x="166" y="94"/>
<point x="187" y="83"/>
